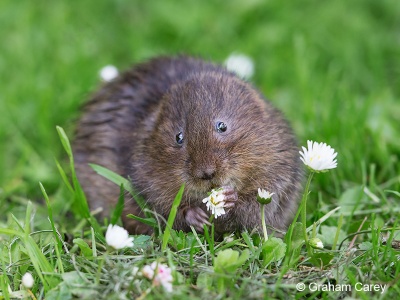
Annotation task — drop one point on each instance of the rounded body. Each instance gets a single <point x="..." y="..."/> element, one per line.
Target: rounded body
<point x="176" y="120"/>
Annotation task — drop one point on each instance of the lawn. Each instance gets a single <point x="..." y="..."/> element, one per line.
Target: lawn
<point x="333" y="69"/>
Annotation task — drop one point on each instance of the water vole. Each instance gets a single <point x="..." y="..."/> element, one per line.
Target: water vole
<point x="176" y="120"/>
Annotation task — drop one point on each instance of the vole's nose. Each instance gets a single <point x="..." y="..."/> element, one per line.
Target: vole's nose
<point x="207" y="173"/>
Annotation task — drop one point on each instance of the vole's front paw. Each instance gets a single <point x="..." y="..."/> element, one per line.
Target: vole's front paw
<point x="231" y="197"/>
<point x="196" y="217"/>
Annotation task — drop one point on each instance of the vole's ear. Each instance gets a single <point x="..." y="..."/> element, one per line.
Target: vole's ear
<point x="153" y="121"/>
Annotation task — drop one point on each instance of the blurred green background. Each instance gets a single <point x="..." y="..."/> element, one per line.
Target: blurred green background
<point x="332" y="67"/>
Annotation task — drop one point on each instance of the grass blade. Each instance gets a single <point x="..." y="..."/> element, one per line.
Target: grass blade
<point x="79" y="196"/>
<point x="50" y="212"/>
<point x="323" y="218"/>
<point x="94" y="248"/>
<point x="4" y="281"/>
<point x="38" y="259"/>
<point x="339" y="226"/>
<point x="171" y="217"/>
<point x="119" y="180"/>
<point x="148" y="221"/>
<point x="64" y="177"/>
<point x="117" y="212"/>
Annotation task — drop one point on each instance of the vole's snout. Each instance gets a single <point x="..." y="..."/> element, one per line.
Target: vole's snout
<point x="205" y="173"/>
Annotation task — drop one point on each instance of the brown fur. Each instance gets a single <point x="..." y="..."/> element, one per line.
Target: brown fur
<point x="130" y="127"/>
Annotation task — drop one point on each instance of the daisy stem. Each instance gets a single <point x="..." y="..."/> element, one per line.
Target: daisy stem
<point x="31" y="294"/>
<point x="263" y="223"/>
<point x="304" y="212"/>
<point x="211" y="219"/>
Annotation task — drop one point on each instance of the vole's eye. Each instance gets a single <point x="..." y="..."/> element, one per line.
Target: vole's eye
<point x="221" y="127"/>
<point x="179" y="138"/>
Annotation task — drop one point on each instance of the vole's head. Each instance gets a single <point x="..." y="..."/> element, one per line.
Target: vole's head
<point x="213" y="130"/>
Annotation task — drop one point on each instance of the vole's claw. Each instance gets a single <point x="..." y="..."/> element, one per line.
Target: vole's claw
<point x="196" y="217"/>
<point x="229" y="204"/>
<point x="231" y="197"/>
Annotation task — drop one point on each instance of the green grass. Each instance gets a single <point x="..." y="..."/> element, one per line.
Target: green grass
<point x="332" y="67"/>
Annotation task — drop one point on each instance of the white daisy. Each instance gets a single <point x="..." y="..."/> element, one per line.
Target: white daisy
<point x="215" y="202"/>
<point x="319" y="157"/>
<point x="117" y="237"/>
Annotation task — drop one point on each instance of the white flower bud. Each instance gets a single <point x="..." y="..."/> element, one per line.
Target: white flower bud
<point x="27" y="280"/>
<point x="108" y="73"/>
